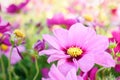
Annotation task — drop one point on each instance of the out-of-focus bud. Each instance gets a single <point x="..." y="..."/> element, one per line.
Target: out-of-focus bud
<point x="44" y="72"/>
<point x="118" y="54"/>
<point x="112" y="45"/>
<point x="39" y="45"/>
<point x="117" y="67"/>
<point x="17" y="37"/>
<point x="88" y="17"/>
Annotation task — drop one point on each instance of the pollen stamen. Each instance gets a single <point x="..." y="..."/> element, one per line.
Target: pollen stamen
<point x="74" y="51"/>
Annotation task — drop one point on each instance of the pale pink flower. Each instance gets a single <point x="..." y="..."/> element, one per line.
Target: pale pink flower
<point x="79" y="47"/>
<point x="56" y="74"/>
<point x="15" y="56"/>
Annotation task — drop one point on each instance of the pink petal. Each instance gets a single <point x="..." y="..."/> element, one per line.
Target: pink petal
<point x="80" y="78"/>
<point x="55" y="74"/>
<point x="51" y="40"/>
<point x="72" y="75"/>
<point x="65" y="66"/>
<point x="50" y="52"/>
<point x="62" y="36"/>
<point x="99" y="43"/>
<point x="76" y="32"/>
<point x="104" y="59"/>
<point x="86" y="62"/>
<point x="57" y="57"/>
<point x="46" y="79"/>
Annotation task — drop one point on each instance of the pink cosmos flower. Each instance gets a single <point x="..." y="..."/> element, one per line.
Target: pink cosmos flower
<point x="56" y="74"/>
<point x="78" y="47"/>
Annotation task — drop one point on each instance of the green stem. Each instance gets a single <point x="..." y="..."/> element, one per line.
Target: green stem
<point x="15" y="75"/>
<point x="113" y="53"/>
<point x="98" y="72"/>
<point x="37" y="69"/>
<point x="9" y="64"/>
<point x="3" y="69"/>
<point x="24" y="69"/>
<point x="103" y="76"/>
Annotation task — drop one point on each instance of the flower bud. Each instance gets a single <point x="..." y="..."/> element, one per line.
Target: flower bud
<point x="39" y="45"/>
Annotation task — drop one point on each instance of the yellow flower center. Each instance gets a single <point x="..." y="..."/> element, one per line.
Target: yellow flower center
<point x="19" y="34"/>
<point x="74" y="51"/>
<point x="88" y="17"/>
<point x="3" y="47"/>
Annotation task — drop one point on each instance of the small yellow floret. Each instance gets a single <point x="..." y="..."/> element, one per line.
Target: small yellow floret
<point x="88" y="17"/>
<point x="3" y="47"/>
<point x="74" y="51"/>
<point x="19" y="34"/>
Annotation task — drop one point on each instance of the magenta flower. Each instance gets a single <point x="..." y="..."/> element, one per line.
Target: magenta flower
<point x="4" y="26"/>
<point x="56" y="74"/>
<point x="79" y="46"/>
<point x="59" y="19"/>
<point x="16" y="8"/>
<point x="116" y="38"/>
<point x="5" y="44"/>
<point x="91" y="74"/>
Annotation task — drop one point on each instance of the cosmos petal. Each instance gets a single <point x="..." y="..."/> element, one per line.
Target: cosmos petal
<point x="104" y="59"/>
<point x="50" y="52"/>
<point x="51" y="40"/>
<point x="71" y="75"/>
<point x="62" y="36"/>
<point x="55" y="57"/>
<point x="55" y="74"/>
<point x="86" y="62"/>
<point x="64" y="66"/>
